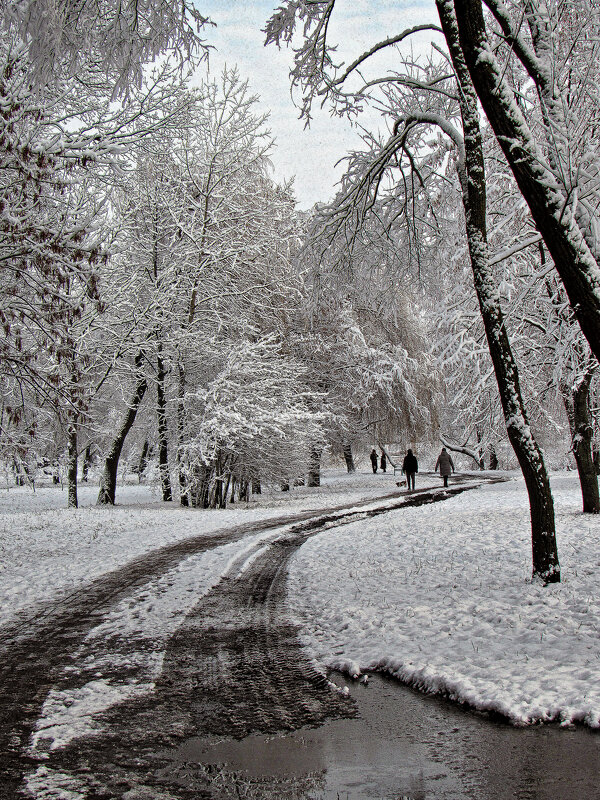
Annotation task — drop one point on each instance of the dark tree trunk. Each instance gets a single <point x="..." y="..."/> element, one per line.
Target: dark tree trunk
<point x="549" y="207"/>
<point x="72" y="465"/>
<point x="493" y="457"/>
<point x="199" y="490"/>
<point x="543" y="536"/>
<point x="314" y="470"/>
<point x="108" y="479"/>
<point x="183" y="487"/>
<point x="216" y="498"/>
<point x="226" y="491"/>
<point x="143" y="462"/>
<point x="163" y="431"/>
<point x="256" y="487"/>
<point x="581" y="424"/>
<point x="480" y="461"/>
<point x="350" y="466"/>
<point x="87" y="461"/>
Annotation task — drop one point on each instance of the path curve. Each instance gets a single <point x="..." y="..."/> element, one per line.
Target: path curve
<point x="234" y="667"/>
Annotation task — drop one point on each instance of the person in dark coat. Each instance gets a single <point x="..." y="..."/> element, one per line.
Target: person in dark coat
<point x="445" y="464"/>
<point x="410" y="466"/>
<point x="374" y="459"/>
<point x="383" y="461"/>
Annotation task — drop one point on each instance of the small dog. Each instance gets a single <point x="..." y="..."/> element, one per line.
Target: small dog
<point x="400" y="483"/>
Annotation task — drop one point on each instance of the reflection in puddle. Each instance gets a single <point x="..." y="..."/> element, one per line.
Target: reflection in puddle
<point x="404" y="746"/>
<point x="260" y="756"/>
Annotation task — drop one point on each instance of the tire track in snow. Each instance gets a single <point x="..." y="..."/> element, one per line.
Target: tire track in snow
<point x="234" y="667"/>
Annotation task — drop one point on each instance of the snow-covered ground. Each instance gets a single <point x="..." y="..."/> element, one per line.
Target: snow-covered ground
<point x="441" y="597"/>
<point x="438" y="595"/>
<point x="47" y="550"/>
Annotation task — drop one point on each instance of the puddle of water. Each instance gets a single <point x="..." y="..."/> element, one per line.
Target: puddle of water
<point x="406" y="746"/>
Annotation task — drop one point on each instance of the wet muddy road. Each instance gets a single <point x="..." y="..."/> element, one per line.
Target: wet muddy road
<point x="239" y="711"/>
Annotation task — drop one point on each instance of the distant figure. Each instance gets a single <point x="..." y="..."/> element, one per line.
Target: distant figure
<point x="445" y="464"/>
<point x="374" y="459"/>
<point x="383" y="461"/>
<point x="410" y="466"/>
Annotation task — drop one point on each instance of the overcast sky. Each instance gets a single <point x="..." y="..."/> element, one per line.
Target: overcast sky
<point x="311" y="154"/>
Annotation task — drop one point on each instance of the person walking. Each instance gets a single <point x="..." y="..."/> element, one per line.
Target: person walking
<point x="374" y="459"/>
<point x="410" y="467"/>
<point x="445" y="464"/>
<point x="383" y="461"/>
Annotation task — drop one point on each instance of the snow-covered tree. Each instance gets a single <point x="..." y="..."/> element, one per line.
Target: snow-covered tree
<point x="456" y="108"/>
<point x="567" y="225"/>
<point x="64" y="36"/>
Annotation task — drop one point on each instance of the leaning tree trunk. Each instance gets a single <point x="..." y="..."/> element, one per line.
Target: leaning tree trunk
<point x="582" y="430"/>
<point x="163" y="428"/>
<point x="108" y="479"/>
<point x="472" y="175"/>
<point x="350" y="466"/>
<point x="72" y="465"/>
<point x="550" y="209"/>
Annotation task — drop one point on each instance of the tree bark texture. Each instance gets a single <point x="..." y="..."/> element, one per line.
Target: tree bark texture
<point x="549" y="208"/>
<point x="543" y="537"/>
<point x="163" y="428"/>
<point x="108" y="479"/>
<point x="582" y="430"/>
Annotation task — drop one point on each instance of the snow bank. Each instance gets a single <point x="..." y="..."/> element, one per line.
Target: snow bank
<point x="441" y="597"/>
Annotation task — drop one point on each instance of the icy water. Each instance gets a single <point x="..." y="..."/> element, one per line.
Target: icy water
<point x="406" y="746"/>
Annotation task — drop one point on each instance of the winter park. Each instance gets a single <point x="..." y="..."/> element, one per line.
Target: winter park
<point x="300" y="422"/>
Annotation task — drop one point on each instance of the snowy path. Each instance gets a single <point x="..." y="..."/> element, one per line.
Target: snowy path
<point x="57" y="687"/>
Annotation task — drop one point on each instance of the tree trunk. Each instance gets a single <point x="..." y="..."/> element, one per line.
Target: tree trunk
<point x="549" y="207"/>
<point x="480" y="460"/>
<point x="493" y="457"/>
<point x="163" y="430"/>
<point x="472" y="173"/>
<point x="350" y="466"/>
<point x="72" y="465"/>
<point x="108" y="480"/>
<point x="256" y="487"/>
<point x="226" y="491"/>
<point x="314" y="470"/>
<point x="143" y="462"/>
<point x="183" y="487"/>
<point x="216" y="498"/>
<point x="87" y="461"/>
<point x="200" y="486"/>
<point x="581" y="425"/>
